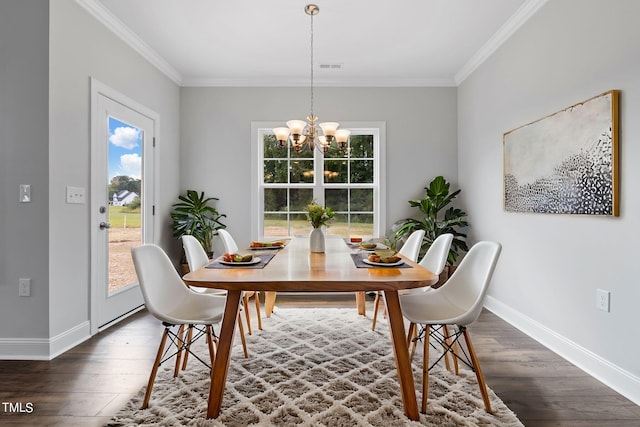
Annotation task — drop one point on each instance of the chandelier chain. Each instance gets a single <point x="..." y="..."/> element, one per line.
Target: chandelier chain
<point x="311" y="38"/>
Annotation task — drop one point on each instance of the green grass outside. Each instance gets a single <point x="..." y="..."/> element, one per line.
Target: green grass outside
<point x="303" y="227"/>
<point x="121" y="217"/>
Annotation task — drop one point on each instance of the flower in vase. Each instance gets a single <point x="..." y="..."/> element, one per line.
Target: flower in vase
<point x="319" y="216"/>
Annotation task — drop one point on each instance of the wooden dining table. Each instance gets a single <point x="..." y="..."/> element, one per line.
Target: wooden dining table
<point x="295" y="269"/>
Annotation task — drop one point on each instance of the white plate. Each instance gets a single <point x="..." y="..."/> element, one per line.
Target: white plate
<point x="255" y="260"/>
<point x="383" y="264"/>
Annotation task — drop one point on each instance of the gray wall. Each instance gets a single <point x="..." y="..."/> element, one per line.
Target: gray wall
<point x="216" y="138"/>
<point x="49" y="52"/>
<point x="552" y="265"/>
<point x="81" y="48"/>
<point x="24" y="127"/>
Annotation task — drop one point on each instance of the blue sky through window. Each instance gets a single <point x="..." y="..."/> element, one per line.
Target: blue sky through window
<point x="125" y="149"/>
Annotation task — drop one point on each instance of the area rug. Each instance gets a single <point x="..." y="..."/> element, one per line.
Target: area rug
<point x="313" y="367"/>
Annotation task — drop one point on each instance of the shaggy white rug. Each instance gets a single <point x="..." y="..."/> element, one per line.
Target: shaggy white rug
<point x="313" y="367"/>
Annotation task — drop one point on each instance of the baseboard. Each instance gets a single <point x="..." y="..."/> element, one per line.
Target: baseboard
<point x="43" y="348"/>
<point x="606" y="372"/>
<point x="24" y="349"/>
<point x="69" y="339"/>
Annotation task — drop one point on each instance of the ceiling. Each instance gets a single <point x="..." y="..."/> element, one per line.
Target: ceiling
<point x="267" y="43"/>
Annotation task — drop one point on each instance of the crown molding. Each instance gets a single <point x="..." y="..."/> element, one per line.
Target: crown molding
<point x="116" y="26"/>
<point x="284" y="82"/>
<point x="522" y="15"/>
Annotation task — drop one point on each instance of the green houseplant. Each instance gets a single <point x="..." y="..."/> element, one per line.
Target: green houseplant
<point x="194" y="215"/>
<point x="436" y="220"/>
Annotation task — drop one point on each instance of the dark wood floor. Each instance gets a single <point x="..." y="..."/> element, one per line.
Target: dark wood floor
<point x="89" y="384"/>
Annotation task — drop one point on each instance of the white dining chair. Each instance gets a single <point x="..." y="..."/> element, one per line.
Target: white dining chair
<point x="434" y="260"/>
<point x="457" y="303"/>
<point x="231" y="247"/>
<point x="410" y="250"/>
<point x="170" y="301"/>
<point x="197" y="258"/>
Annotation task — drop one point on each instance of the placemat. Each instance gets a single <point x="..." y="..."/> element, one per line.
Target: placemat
<point x="359" y="256"/>
<point x="264" y="260"/>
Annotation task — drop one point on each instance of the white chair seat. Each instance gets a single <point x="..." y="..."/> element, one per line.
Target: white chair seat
<point x="196" y="309"/>
<point x="432" y="307"/>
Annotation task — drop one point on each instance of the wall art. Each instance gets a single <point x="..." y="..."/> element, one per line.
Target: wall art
<point x="567" y="162"/>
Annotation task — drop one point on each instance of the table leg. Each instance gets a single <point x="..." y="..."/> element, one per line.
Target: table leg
<point x="269" y="302"/>
<point x="403" y="362"/>
<point x="225" y="343"/>
<point x="361" y="303"/>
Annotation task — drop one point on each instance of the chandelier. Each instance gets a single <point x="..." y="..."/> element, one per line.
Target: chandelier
<point x="301" y="134"/>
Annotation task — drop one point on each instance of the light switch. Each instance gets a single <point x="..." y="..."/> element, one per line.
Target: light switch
<point x="25" y="193"/>
<point x="75" y="195"/>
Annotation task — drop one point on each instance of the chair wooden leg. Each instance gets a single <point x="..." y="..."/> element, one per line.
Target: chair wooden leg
<point x="479" y="376"/>
<point x="412" y="326"/>
<point x="415" y="343"/>
<point x="188" y="347"/>
<point x="376" y="305"/>
<point x="454" y="349"/>
<point x="212" y="351"/>
<point x="154" y="370"/>
<point x="425" y="368"/>
<point x="245" y="304"/>
<point x="257" y="298"/>
<point x="180" y="345"/>
<point x="244" y="342"/>
<point x="447" y="341"/>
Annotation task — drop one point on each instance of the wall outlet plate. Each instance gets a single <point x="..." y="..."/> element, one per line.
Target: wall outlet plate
<point x="603" y="300"/>
<point x="24" y="288"/>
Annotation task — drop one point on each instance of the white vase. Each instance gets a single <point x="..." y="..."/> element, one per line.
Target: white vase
<point x="316" y="240"/>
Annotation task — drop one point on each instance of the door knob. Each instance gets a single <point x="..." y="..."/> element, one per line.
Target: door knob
<point x="104" y="225"/>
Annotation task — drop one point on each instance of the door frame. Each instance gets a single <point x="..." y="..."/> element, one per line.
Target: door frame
<point x="151" y="222"/>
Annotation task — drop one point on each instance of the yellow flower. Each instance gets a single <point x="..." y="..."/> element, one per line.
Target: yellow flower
<point x="319" y="216"/>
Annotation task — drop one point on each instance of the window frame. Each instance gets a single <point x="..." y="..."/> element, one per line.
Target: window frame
<point x="375" y="128"/>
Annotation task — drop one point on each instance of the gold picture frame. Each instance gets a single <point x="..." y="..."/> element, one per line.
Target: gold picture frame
<point x="567" y="162"/>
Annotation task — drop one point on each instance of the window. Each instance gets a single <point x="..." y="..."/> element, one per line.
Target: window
<point x="350" y="183"/>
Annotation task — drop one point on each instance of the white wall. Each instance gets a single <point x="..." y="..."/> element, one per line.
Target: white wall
<point x="216" y="138"/>
<point x="551" y="265"/>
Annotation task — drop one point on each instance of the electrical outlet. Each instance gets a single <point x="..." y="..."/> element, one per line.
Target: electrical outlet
<point x="602" y="300"/>
<point x="25" y="193"/>
<point x="24" y="288"/>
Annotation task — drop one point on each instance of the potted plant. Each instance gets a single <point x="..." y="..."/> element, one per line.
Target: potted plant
<point x="195" y="216"/>
<point x="436" y="220"/>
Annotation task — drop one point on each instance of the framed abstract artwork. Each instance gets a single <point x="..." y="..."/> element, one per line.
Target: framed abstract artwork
<point x="567" y="162"/>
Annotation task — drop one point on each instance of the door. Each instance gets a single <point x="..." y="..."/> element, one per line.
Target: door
<point x="122" y="201"/>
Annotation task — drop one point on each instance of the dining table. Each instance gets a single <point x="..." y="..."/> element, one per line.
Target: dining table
<point x="295" y="269"/>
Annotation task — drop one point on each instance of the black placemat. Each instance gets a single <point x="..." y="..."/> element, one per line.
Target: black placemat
<point x="264" y="260"/>
<point x="358" y="261"/>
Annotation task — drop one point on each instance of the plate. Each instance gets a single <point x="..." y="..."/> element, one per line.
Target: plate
<point x="255" y="260"/>
<point x="261" y="248"/>
<point x="378" y="247"/>
<point x="383" y="264"/>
